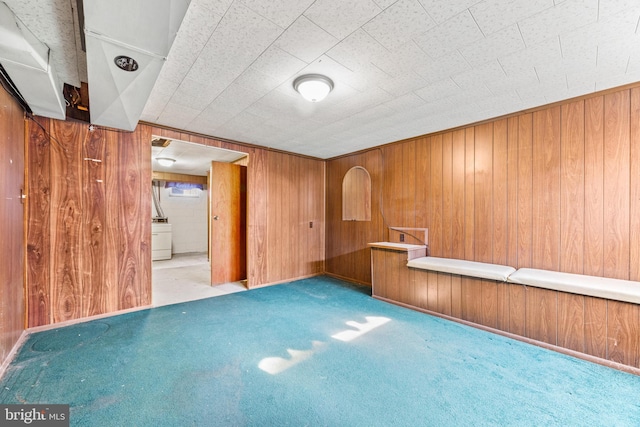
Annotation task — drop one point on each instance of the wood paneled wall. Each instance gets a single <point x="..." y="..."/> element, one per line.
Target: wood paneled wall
<point x="89" y="225"/>
<point x="11" y="224"/>
<point x="89" y="233"/>
<point x="557" y="188"/>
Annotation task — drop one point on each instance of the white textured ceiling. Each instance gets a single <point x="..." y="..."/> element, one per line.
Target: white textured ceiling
<point x="401" y="68"/>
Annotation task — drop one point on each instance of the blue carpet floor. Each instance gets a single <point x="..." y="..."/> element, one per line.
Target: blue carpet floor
<point x="315" y="352"/>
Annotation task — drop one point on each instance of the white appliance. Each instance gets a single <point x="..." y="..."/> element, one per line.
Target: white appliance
<point x="160" y="241"/>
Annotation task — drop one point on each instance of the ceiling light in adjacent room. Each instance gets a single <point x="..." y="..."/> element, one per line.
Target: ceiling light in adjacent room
<point x="313" y="87"/>
<point x="165" y="161"/>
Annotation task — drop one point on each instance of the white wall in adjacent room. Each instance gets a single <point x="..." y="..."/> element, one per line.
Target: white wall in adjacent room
<point x="188" y="219"/>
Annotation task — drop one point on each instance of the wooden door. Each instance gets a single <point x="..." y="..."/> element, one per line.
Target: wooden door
<point x="227" y="238"/>
<point x="12" y="172"/>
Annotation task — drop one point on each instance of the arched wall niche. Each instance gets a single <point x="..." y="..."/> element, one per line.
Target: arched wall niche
<point x="356" y="195"/>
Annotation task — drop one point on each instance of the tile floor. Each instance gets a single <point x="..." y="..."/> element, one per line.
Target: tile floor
<point x="185" y="277"/>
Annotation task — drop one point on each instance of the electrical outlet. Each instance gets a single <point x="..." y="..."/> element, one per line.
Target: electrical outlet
<point x="310" y="224"/>
<point x="402" y="237"/>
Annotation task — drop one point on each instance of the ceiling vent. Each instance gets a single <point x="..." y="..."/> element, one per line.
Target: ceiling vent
<point x="26" y="60"/>
<point x="127" y="43"/>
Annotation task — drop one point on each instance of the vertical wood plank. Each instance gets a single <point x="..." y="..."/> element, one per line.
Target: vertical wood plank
<point x="502" y="306"/>
<point x="457" y="197"/>
<point x="432" y="291"/>
<point x="572" y="190"/>
<point x="525" y="190"/>
<point x="616" y="184"/>
<point x="594" y="187"/>
<point x="546" y="189"/>
<point x="112" y="245"/>
<point x="634" y="208"/>
<point x="623" y="330"/>
<point x="423" y="172"/>
<point x="500" y="192"/>
<point x="436" y="225"/>
<point x="130" y="217"/>
<point x="408" y="184"/>
<point x="421" y="288"/>
<point x="483" y="190"/>
<point x="512" y="192"/>
<point x="94" y="292"/>
<point x="66" y="222"/>
<point x="258" y="184"/>
<point x="447" y="190"/>
<point x="517" y="310"/>
<point x="378" y="279"/>
<point x="38" y="225"/>
<point x="489" y="312"/>
<point x="595" y="327"/>
<point x="571" y="320"/>
<point x="456" y="296"/>
<point x="542" y="315"/>
<point x="469" y="196"/>
<point x="444" y="294"/>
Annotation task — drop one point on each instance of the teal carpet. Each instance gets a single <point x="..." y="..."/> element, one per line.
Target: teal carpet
<point x="316" y="352"/>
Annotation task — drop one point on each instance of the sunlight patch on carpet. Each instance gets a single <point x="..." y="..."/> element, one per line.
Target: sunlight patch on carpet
<point x="372" y="323"/>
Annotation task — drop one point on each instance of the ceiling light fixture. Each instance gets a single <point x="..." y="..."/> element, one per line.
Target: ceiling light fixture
<point x="313" y="87"/>
<point x="165" y="161"/>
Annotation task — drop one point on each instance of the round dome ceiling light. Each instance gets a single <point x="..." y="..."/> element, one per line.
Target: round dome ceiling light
<point x="313" y="87"/>
<point x="165" y="161"/>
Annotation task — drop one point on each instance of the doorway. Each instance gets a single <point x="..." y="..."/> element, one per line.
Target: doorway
<point x="183" y="194"/>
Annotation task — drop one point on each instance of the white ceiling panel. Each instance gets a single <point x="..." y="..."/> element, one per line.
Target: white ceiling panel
<point x="455" y="33"/>
<point x="305" y="40"/>
<point x="280" y="12"/>
<point x="440" y="10"/>
<point x="400" y="68"/>
<point x="494" y="15"/>
<point x="560" y="19"/>
<point x="341" y="18"/>
<point x="399" y="23"/>
<point x="501" y="43"/>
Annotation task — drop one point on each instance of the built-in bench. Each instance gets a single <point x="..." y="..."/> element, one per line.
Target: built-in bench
<point x="481" y="270"/>
<point x="600" y="287"/>
<point x="591" y="317"/>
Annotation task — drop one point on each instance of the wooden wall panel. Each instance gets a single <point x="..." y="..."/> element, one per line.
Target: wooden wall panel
<point x="66" y="220"/>
<point x="546" y="189"/>
<point x="447" y="195"/>
<point x="436" y="221"/>
<point x="12" y="172"/>
<point x="594" y="187"/>
<point x="572" y="192"/>
<point x="469" y="195"/>
<point x="623" y="330"/>
<point x="423" y="172"/>
<point x="571" y="320"/>
<point x="499" y="194"/>
<point x="38" y="228"/>
<point x="595" y="331"/>
<point x="483" y="189"/>
<point x="95" y="293"/>
<point x="134" y="278"/>
<point x="525" y="191"/>
<point x="541" y="315"/>
<point x="616" y="185"/>
<point x="512" y="192"/>
<point x="457" y="196"/>
<point x="634" y="194"/>
<point x="409" y="176"/>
